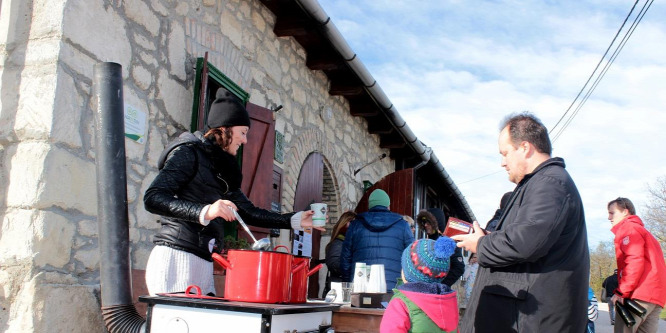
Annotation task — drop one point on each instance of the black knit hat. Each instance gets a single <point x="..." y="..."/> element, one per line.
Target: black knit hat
<point x="227" y="110"/>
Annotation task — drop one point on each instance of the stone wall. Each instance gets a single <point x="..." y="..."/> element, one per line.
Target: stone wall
<point x="48" y="246"/>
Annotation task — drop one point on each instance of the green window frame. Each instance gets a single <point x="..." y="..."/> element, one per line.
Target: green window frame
<point x="214" y="80"/>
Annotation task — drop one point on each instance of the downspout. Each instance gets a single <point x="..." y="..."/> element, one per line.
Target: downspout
<point x="119" y="313"/>
<point x="331" y="32"/>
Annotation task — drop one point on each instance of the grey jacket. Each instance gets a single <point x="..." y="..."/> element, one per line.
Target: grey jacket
<point x="534" y="269"/>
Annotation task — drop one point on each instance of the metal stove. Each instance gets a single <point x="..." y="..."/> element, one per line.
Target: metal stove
<point x="191" y="315"/>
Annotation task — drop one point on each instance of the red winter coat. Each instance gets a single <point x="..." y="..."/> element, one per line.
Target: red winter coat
<point x="641" y="268"/>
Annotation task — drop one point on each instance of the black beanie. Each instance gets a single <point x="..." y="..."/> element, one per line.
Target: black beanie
<point x="440" y="216"/>
<point x="227" y="111"/>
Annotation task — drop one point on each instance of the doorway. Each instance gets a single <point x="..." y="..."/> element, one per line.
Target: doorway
<point x="316" y="183"/>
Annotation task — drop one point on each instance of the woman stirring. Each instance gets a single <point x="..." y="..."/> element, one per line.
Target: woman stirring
<point x="195" y="191"/>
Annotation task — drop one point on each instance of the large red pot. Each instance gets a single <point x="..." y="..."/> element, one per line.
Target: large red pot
<point x="299" y="279"/>
<point x="257" y="276"/>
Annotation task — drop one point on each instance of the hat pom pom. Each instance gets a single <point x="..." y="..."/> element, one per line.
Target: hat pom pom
<point x="444" y="247"/>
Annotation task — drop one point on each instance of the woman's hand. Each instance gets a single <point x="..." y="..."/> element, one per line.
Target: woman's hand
<point x="221" y="208"/>
<point x="306" y="220"/>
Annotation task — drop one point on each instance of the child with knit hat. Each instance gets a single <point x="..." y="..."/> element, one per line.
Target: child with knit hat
<point x="423" y="303"/>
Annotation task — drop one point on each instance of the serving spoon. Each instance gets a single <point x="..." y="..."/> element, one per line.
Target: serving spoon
<point x="262" y="244"/>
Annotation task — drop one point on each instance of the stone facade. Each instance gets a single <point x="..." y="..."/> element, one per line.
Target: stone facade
<point x="48" y="246"/>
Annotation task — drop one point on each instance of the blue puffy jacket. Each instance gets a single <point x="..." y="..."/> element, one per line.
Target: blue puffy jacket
<point x="377" y="236"/>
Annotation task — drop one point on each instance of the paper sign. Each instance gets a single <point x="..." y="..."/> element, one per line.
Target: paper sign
<point x="135" y="124"/>
<point x="302" y="245"/>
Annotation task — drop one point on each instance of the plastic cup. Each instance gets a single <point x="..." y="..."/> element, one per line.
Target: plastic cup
<point x="346" y="291"/>
<point x="319" y="217"/>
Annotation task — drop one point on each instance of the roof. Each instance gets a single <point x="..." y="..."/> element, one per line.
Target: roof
<point x="327" y="51"/>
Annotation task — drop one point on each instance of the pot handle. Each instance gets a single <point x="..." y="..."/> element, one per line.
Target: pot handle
<point x="300" y="266"/>
<point x="220" y="260"/>
<point x="197" y="290"/>
<point x="279" y="246"/>
<point x="315" y="269"/>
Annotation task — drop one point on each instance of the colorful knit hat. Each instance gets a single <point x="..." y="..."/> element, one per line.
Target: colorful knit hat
<point x="427" y="260"/>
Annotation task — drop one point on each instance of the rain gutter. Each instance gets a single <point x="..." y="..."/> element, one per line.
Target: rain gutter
<point x="331" y="32"/>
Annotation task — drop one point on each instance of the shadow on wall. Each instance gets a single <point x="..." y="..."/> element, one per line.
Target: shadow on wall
<point x="19" y="17"/>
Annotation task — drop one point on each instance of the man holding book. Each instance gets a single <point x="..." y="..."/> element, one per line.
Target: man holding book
<point x="534" y="268"/>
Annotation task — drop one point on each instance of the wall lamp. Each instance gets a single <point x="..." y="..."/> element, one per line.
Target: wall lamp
<point x="378" y="158"/>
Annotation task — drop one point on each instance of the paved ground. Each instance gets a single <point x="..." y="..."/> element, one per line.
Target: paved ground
<point x="602" y="325"/>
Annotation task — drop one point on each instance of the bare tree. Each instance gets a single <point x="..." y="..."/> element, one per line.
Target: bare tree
<point x="602" y="264"/>
<point x="655" y="216"/>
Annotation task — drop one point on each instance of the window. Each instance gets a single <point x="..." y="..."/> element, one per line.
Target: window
<point x="208" y="80"/>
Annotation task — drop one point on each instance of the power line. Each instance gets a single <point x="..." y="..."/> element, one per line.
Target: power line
<point x="618" y="48"/>
<point x="484" y="176"/>
<point x="625" y="38"/>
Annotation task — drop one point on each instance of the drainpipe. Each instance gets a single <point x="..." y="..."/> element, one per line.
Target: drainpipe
<point x="334" y="36"/>
<point x="119" y="313"/>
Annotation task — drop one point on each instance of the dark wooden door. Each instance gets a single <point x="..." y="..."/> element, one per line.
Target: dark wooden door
<point x="400" y="188"/>
<point x="258" y="162"/>
<point x="309" y="189"/>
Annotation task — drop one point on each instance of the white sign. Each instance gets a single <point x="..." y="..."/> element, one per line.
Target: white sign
<point x="135" y="124"/>
<point x="302" y="243"/>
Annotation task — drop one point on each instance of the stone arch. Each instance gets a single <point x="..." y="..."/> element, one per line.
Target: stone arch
<point x="309" y="141"/>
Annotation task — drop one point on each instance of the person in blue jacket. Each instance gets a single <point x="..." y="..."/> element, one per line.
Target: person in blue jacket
<point x="377" y="236"/>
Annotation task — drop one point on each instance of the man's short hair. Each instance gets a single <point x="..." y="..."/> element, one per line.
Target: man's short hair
<point x="525" y="126"/>
<point x="622" y="204"/>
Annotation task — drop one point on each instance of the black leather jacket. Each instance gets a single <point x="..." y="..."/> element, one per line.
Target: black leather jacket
<point x="197" y="173"/>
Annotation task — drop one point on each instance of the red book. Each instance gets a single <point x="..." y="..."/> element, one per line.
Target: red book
<point x="457" y="227"/>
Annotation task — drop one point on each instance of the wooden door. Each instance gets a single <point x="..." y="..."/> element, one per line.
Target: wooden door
<point x="309" y="189"/>
<point x="258" y="162"/>
<point x="400" y="188"/>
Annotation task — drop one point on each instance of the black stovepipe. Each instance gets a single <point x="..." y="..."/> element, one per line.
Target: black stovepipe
<point x="119" y="313"/>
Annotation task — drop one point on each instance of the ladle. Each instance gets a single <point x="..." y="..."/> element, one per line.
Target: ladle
<point x="262" y="244"/>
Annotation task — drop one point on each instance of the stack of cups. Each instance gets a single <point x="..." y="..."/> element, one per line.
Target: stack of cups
<point x="377" y="282"/>
<point x="360" y="277"/>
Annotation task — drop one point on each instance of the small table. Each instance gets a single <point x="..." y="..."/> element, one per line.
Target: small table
<point x="362" y="320"/>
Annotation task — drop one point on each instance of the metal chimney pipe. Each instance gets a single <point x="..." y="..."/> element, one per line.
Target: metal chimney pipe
<point x="118" y="311"/>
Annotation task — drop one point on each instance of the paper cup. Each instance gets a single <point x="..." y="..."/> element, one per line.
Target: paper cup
<point x="360" y="277"/>
<point x="319" y="217"/>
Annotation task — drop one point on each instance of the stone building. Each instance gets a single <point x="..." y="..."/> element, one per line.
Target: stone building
<point x="49" y="256"/>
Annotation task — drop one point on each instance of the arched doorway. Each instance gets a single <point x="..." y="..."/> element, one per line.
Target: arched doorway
<point x="315" y="184"/>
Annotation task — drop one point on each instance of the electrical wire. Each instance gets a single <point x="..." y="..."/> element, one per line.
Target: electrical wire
<point x="602" y="73"/>
<point x="611" y="59"/>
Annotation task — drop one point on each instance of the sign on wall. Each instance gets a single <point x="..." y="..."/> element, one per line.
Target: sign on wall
<point x="135" y="124"/>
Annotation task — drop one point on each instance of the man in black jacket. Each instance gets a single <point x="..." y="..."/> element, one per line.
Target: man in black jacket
<point x="534" y="268"/>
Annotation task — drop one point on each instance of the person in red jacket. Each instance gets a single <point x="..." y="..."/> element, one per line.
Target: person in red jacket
<point x="640" y="264"/>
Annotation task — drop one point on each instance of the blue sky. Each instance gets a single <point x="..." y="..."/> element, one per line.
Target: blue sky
<point x="454" y="69"/>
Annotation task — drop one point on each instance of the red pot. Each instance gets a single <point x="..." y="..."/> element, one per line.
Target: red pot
<point x="257" y="276"/>
<point x="299" y="279"/>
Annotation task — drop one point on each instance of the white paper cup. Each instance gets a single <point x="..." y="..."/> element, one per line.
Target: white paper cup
<point x="360" y="277"/>
<point x="377" y="281"/>
<point x="319" y="217"/>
